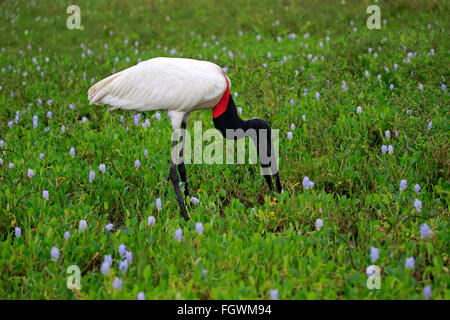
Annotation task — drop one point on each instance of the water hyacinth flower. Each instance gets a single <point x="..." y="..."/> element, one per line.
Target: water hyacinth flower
<point x="91" y="176"/>
<point x="289" y="135"/>
<point x="137" y="164"/>
<point x="123" y="266"/>
<point x="409" y="263"/>
<point x="292" y="127"/>
<point x="129" y="257"/>
<point x="72" y="152"/>
<point x="199" y="228"/>
<point x="45" y="195"/>
<point x="63" y="129"/>
<point x="102" y="168"/>
<point x="146" y="124"/>
<point x="303" y="117"/>
<point x="122" y="249"/>
<point x="370" y="270"/>
<point x="430" y="125"/>
<point x="291" y="102"/>
<point x="307" y="184"/>
<point x="109" y="226"/>
<point x="158" y="204"/>
<point x="195" y="200"/>
<point x="317" y="96"/>
<point x="105" y="267"/>
<point x="157" y="116"/>
<point x="367" y="74"/>
<point x="417" y="188"/>
<point x="383" y="149"/>
<point x="390" y="149"/>
<point x="418" y="205"/>
<point x="140" y="296"/>
<point x="54" y="253"/>
<point x="344" y="86"/>
<point x="1" y="162"/>
<point x="387" y="134"/>
<point x="41" y="156"/>
<point x="391" y="87"/>
<point x="83" y="120"/>
<point x="83" y="225"/>
<point x="67" y="235"/>
<point x="403" y="185"/>
<point x="2" y="143"/>
<point x="117" y="284"/>
<point x="49" y="114"/>
<point x="359" y="110"/>
<point x="30" y="173"/>
<point x="179" y="234"/>
<point x="443" y="87"/>
<point x="425" y="231"/>
<point x="374" y="254"/>
<point x="151" y="221"/>
<point x="274" y="294"/>
<point x="427" y="292"/>
<point x="17" y="232"/>
<point x="35" y="121"/>
<point x="319" y="224"/>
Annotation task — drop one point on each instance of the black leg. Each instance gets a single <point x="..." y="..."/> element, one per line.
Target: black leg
<point x="176" y="184"/>
<point x="181" y="167"/>
<point x="277" y="177"/>
<point x="269" y="181"/>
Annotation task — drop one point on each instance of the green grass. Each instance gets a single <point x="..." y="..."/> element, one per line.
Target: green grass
<point x="356" y="190"/>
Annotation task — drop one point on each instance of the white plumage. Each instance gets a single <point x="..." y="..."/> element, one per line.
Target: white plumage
<point x="177" y="85"/>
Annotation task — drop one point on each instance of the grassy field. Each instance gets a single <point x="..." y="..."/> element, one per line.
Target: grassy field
<point x="280" y="56"/>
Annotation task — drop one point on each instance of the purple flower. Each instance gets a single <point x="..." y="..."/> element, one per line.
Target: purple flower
<point x="374" y="254"/>
<point x="417" y="188"/>
<point x="390" y="149"/>
<point x="122" y="249"/>
<point x="67" y="235"/>
<point x="199" y="228"/>
<point x="427" y="292"/>
<point x="194" y="200"/>
<point x="35" y="121"/>
<point x="307" y="184"/>
<point x="430" y="125"/>
<point x="105" y="267"/>
<point x="83" y="225"/>
<point x="109" y="226"/>
<point x="409" y="263"/>
<point x="83" y="120"/>
<point x="291" y="102"/>
<point x="137" y="164"/>
<point x="319" y="224"/>
<point x="140" y="296"/>
<point x="11" y="165"/>
<point x="359" y="110"/>
<point x="289" y="135"/>
<point x="317" y="96"/>
<point x="129" y="257"/>
<point x="91" y="175"/>
<point x="179" y="234"/>
<point x="63" y="129"/>
<point x="54" y="253"/>
<point x="123" y="266"/>
<point x="158" y="204"/>
<point x="403" y="185"/>
<point x="151" y="221"/>
<point x="274" y="294"/>
<point x="41" y="156"/>
<point x="425" y="231"/>
<point x="383" y="149"/>
<point x="145" y="153"/>
<point x="17" y="232"/>
<point x="72" y="152"/>
<point x="117" y="284"/>
<point x="157" y="116"/>
<point x="49" y="114"/>
<point x="108" y="259"/>
<point x="45" y="195"/>
<point x="292" y="127"/>
<point x="418" y="205"/>
<point x="30" y="173"/>
<point x="387" y="134"/>
<point x="102" y="168"/>
<point x="2" y="143"/>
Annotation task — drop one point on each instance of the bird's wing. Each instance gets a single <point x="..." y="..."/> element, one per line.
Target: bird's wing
<point x="162" y="84"/>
